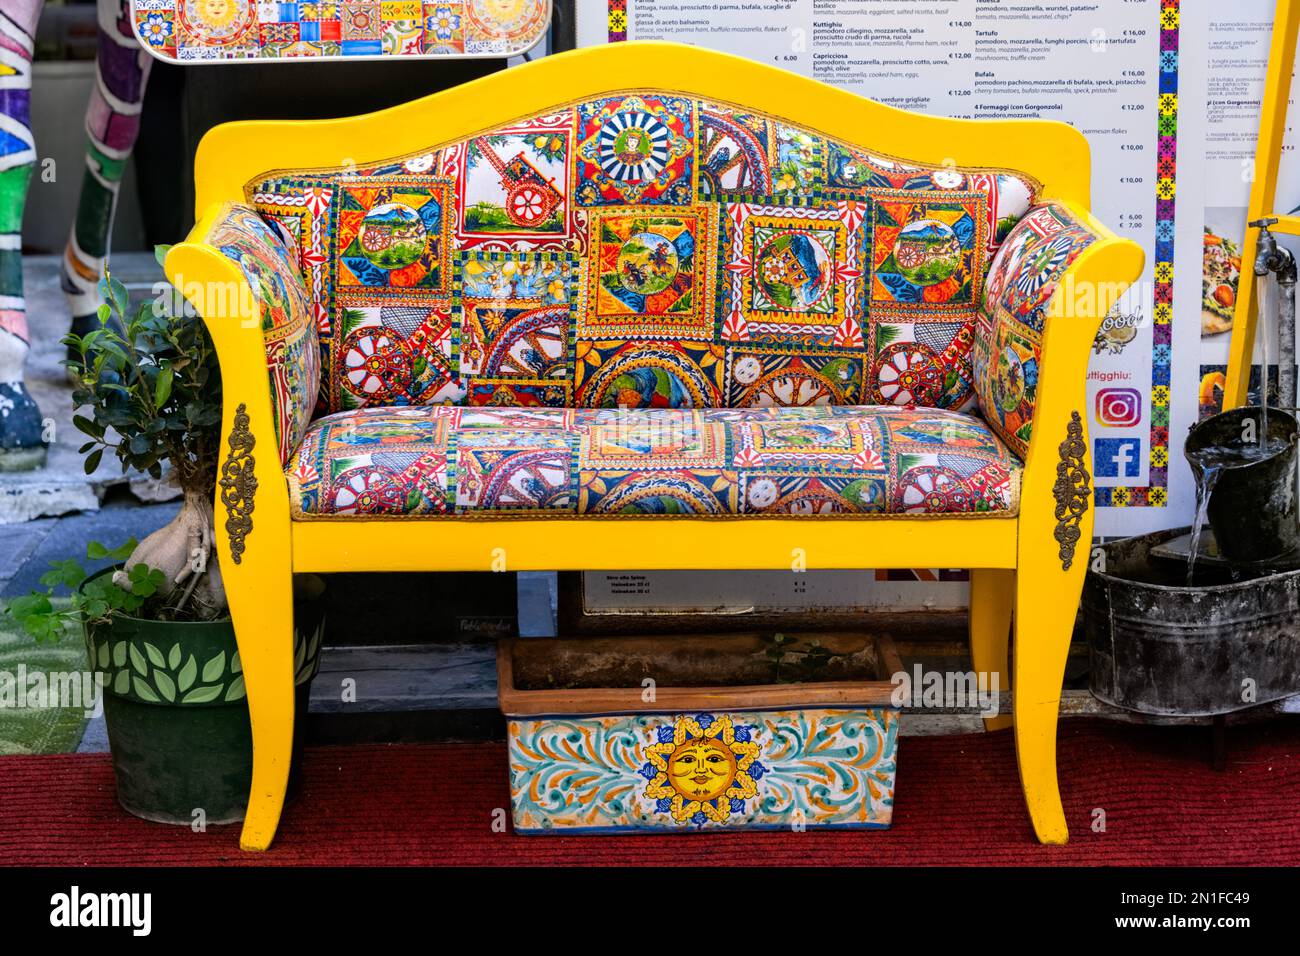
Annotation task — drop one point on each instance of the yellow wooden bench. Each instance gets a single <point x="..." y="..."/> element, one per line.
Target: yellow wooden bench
<point x="843" y="336"/>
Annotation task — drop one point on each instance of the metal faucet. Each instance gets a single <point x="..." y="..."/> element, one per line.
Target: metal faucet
<point x="1271" y="257"/>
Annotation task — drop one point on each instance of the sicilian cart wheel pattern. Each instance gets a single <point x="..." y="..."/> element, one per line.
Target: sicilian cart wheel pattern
<point x="377" y="363"/>
<point x="528" y="205"/>
<point x="908" y="373"/>
<point x="929" y="489"/>
<point x="367" y="491"/>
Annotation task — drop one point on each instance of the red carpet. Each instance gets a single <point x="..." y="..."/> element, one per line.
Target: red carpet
<point x="958" y="802"/>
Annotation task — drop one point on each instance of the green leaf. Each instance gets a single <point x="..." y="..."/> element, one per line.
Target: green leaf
<point x="122" y="682"/>
<point x="174" y="657"/>
<point x="102" y="656"/>
<point x="236" y="665"/>
<point x="29" y="605"/>
<point x="162" y="388"/>
<point x="122" y="551"/>
<point x="67" y="573"/>
<point x="155" y="655"/>
<point x="88" y="427"/>
<point x="118" y="297"/>
<point x="160" y="252"/>
<point x="166" y="686"/>
<point x="187" y="674"/>
<point x="137" y="662"/>
<point x="214" y="668"/>
<point x="144" y="691"/>
<point x="93" y="459"/>
<point x="203" y="694"/>
<point x="119" y="654"/>
<point x="236" y="690"/>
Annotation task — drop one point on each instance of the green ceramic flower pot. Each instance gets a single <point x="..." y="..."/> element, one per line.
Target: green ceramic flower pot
<point x="177" y="711"/>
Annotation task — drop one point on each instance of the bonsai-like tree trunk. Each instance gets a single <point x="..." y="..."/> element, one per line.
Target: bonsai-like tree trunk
<point x="182" y="550"/>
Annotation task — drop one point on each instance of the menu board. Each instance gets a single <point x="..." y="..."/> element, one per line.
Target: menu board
<point x="1167" y="93"/>
<point x="1236" y="57"/>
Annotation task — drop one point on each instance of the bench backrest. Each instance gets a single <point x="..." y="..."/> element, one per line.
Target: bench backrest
<point x="647" y="249"/>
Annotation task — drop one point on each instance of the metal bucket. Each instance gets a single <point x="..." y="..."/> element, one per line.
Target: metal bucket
<point x="1252" y="508"/>
<point x="1159" y="647"/>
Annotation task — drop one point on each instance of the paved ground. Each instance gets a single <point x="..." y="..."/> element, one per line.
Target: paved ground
<point x="62" y="485"/>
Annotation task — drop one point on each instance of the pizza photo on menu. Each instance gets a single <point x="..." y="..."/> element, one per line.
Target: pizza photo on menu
<point x="1219" y="275"/>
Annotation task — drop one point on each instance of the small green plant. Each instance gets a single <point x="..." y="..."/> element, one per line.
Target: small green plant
<point x="795" y="664"/>
<point x="149" y="387"/>
<point x="48" y="614"/>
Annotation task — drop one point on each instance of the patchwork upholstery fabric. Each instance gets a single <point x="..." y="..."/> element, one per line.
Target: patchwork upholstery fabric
<point x="648" y="250"/>
<point x="269" y="260"/>
<point x="1009" y="335"/>
<point x="436" y="460"/>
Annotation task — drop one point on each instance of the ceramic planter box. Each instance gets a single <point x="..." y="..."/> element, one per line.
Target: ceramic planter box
<point x="720" y="740"/>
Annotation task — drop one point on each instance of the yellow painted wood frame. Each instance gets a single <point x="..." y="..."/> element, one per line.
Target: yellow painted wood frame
<point x="1263" y="198"/>
<point x="1024" y="565"/>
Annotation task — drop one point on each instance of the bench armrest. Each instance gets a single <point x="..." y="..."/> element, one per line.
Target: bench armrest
<point x="1052" y="283"/>
<point x="259" y="314"/>
<point x="238" y="276"/>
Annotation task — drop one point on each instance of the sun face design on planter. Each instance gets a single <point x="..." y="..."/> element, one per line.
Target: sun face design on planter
<point x="702" y="769"/>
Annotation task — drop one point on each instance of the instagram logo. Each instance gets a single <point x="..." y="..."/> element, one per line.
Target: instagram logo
<point x="1119" y="407"/>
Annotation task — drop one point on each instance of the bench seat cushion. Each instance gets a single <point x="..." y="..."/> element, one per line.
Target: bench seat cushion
<point x="437" y="460"/>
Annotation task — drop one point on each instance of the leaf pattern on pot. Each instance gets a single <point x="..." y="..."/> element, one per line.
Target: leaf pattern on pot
<point x="155" y="655"/>
<point x="166" y="686"/>
<point x="213" y="668"/>
<point x="185" y="679"/>
<point x="202" y="695"/>
<point x="144" y="691"/>
<point x="140" y="669"/>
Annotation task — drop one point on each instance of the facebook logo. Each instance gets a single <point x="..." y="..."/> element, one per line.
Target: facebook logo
<point x="1117" y="457"/>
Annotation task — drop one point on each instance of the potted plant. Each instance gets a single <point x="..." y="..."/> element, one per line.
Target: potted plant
<point x="156" y="623"/>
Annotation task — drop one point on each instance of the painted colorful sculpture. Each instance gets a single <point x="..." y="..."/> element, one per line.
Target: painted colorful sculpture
<point x="112" y="122"/>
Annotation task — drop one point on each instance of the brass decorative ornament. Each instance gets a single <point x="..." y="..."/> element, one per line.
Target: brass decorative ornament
<point x="1071" y="490"/>
<point x="238" y="484"/>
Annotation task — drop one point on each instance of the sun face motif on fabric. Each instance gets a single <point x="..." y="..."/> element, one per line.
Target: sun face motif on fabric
<point x="702" y="769"/>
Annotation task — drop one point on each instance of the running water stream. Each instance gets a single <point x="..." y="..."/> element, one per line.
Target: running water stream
<point x="1208" y="466"/>
<point x="1210" y="463"/>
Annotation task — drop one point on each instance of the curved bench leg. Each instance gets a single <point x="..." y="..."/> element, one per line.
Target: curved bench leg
<point x="1047" y="599"/>
<point x="261" y="606"/>
<point x="992" y="596"/>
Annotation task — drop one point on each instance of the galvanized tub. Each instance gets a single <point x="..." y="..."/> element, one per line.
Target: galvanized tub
<point x="1159" y="647"/>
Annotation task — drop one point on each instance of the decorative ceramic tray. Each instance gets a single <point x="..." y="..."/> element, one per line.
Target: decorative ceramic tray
<point x="208" y="31"/>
